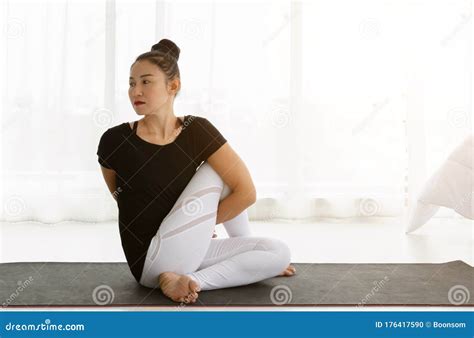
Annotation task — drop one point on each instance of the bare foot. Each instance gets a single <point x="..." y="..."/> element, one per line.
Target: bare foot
<point x="214" y="235"/>
<point x="289" y="271"/>
<point x="179" y="288"/>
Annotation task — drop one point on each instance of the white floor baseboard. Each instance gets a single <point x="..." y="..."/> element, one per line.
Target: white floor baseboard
<point x="380" y="240"/>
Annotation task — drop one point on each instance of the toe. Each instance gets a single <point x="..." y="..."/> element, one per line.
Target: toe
<point x="193" y="296"/>
<point x="193" y="286"/>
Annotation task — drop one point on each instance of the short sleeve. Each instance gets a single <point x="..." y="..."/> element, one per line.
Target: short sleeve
<point x="104" y="150"/>
<point x="208" y="139"/>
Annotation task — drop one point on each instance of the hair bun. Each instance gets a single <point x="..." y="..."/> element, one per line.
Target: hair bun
<point x="167" y="47"/>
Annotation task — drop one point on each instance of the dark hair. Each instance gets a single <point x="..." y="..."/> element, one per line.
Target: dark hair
<point x="165" y="55"/>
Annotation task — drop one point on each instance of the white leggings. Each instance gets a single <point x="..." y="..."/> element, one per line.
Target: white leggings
<point x="184" y="243"/>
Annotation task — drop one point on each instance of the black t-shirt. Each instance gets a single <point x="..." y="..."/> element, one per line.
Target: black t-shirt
<point x="151" y="177"/>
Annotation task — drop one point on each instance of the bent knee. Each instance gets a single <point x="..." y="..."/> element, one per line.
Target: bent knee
<point x="207" y="169"/>
<point x="207" y="172"/>
<point x="279" y="248"/>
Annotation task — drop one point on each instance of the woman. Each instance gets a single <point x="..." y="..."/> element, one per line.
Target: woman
<point x="174" y="179"/>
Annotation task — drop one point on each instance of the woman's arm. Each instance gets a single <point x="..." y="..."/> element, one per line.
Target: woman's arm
<point x="235" y="174"/>
<point x="109" y="177"/>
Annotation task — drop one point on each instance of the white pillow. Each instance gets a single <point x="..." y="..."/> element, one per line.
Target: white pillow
<point x="451" y="186"/>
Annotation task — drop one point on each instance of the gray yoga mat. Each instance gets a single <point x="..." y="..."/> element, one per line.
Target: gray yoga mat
<point x="111" y="284"/>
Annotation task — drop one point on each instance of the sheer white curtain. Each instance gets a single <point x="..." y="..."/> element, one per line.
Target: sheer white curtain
<point x="339" y="108"/>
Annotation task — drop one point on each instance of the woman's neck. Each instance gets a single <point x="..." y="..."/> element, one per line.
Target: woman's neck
<point x="161" y="126"/>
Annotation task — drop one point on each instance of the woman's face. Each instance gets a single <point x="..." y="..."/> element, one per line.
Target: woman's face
<point x="148" y="85"/>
